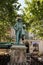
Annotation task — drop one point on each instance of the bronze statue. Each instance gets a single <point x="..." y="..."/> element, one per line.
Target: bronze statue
<point x="18" y="30"/>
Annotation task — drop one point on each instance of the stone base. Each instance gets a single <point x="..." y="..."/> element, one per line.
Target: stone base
<point x="18" y="54"/>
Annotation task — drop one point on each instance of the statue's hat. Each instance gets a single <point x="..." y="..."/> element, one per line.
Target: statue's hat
<point x="18" y="17"/>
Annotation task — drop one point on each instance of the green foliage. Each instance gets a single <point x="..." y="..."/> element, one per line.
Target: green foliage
<point x="7" y="10"/>
<point x="33" y="15"/>
<point x="8" y="13"/>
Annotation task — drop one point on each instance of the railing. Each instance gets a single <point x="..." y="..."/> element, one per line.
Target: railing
<point x="28" y="58"/>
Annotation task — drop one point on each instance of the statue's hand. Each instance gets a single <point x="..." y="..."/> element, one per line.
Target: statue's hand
<point x="16" y="28"/>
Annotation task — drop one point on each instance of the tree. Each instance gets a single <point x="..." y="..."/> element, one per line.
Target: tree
<point x="8" y="13"/>
<point x="33" y="15"/>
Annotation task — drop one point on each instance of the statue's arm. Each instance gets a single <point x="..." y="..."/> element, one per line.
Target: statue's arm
<point x="16" y="26"/>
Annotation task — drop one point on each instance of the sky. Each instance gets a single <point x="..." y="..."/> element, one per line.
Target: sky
<point x="22" y="6"/>
<point x="22" y="3"/>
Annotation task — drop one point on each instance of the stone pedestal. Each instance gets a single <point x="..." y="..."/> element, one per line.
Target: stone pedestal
<point x="18" y="54"/>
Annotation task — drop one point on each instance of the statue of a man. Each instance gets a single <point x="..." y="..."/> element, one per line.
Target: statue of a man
<point x="18" y="30"/>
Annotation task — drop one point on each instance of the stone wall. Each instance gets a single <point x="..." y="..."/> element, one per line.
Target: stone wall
<point x="18" y="55"/>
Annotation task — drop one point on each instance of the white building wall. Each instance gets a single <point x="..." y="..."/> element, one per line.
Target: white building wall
<point x="12" y="33"/>
<point x="41" y="46"/>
